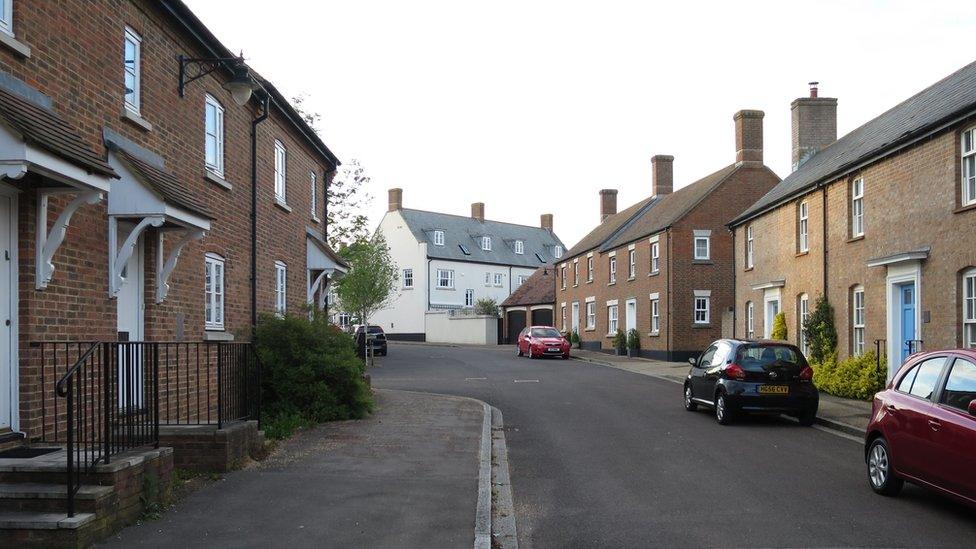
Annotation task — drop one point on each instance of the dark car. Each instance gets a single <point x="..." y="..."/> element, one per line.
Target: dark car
<point x="737" y="376"/>
<point x="539" y="341"/>
<point x="923" y="427"/>
<point x="377" y="340"/>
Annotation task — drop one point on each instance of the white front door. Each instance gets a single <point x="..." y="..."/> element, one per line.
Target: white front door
<point x="130" y="325"/>
<point x="575" y="317"/>
<point x="631" y="314"/>
<point x="7" y="292"/>
<point x="772" y="309"/>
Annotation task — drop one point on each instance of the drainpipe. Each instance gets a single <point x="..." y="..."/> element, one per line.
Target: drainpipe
<point x="254" y="211"/>
<point x="667" y="339"/>
<point x="824" y="232"/>
<point x="735" y="292"/>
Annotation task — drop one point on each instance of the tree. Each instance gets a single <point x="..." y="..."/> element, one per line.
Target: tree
<point x="820" y="332"/>
<point x="369" y="284"/>
<point x="486" y="306"/>
<point x="779" y="327"/>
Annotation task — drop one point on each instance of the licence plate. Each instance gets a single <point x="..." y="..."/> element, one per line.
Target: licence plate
<point x="553" y="349"/>
<point x="774" y="389"/>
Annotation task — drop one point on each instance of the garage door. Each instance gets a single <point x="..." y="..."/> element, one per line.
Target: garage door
<point x="516" y="322"/>
<point x="542" y="317"/>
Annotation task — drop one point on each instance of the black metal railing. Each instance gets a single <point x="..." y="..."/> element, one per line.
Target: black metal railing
<point x="111" y="397"/>
<point x="914" y="346"/>
<point x="880" y="351"/>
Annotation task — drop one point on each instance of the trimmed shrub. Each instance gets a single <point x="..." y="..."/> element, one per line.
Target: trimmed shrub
<point x="820" y="332"/>
<point x="779" y="327"/>
<point x="310" y="373"/>
<point x="633" y="339"/>
<point x="486" y="306"/>
<point x="620" y="339"/>
<point x="858" y="377"/>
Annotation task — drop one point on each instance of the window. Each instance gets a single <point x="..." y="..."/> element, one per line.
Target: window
<point x="486" y="243"/>
<point x="214" y="292"/>
<point x="705" y="359"/>
<point x="575" y="273"/>
<point x="969" y="167"/>
<point x="281" y="287"/>
<point x="445" y="278"/>
<point x="519" y="247"/>
<point x="750" y="320"/>
<point x="408" y="278"/>
<point x="469" y="298"/>
<point x="613" y="269"/>
<point x="464" y="249"/>
<point x="487" y="279"/>
<point x="701" y="247"/>
<point x="589" y="269"/>
<point x="857" y="320"/>
<point x="960" y="387"/>
<point x="803" y="313"/>
<point x="562" y="276"/>
<point x="611" y="319"/>
<point x="802" y="226"/>
<point x="521" y="280"/>
<point x="132" y="53"/>
<point x="313" y="181"/>
<point x="7" y="16"/>
<point x="563" y="312"/>
<point x="213" y="118"/>
<point x="655" y="257"/>
<point x="969" y="309"/>
<point x="344" y="320"/>
<point x="557" y="251"/>
<point x="498" y="279"/>
<point x="920" y="380"/>
<point x="439" y="238"/>
<point x="750" y="248"/>
<point x="591" y="315"/>
<point x="280" y="167"/>
<point x="701" y="309"/>
<point x="857" y="207"/>
<point x="633" y="264"/>
<point x="655" y="316"/>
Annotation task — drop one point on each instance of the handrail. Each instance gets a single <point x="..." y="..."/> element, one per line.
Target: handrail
<point x="60" y="388"/>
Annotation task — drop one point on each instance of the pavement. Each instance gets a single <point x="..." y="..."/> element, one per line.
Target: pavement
<point x="407" y="476"/>
<point x="604" y="457"/>
<point x="845" y="415"/>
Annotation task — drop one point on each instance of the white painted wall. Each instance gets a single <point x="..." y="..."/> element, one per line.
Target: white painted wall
<point x="406" y="314"/>
<point x="442" y="327"/>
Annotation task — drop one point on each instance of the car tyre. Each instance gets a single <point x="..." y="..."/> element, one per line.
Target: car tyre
<point x="518" y="350"/>
<point x="723" y="411"/>
<point x="566" y="356"/>
<point x="880" y="476"/>
<point x="690" y="404"/>
<point x="531" y="354"/>
<point x="807" y="417"/>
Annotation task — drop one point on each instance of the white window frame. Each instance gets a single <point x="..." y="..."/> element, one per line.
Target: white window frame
<point x="214" y="290"/>
<point x="7" y="17"/>
<point x="969" y="309"/>
<point x="215" y="165"/>
<point x="136" y="104"/>
<point x="281" y="288"/>
<point x="448" y="276"/>
<point x="632" y="257"/>
<point x="613" y="319"/>
<point x="519" y="247"/>
<point x="750" y="320"/>
<point x="613" y="269"/>
<point x="590" y="315"/>
<point x="438" y="237"/>
<point x="469" y="297"/>
<point x="589" y="269"/>
<point x="702" y="306"/>
<point x="803" y="227"/>
<point x="486" y="243"/>
<point x="499" y="279"/>
<point x="803" y="314"/>
<point x="407" y="279"/>
<point x="857" y="207"/>
<point x="563" y="311"/>
<point x="562" y="276"/>
<point x="968" y="167"/>
<point x="750" y="248"/>
<point x="857" y="320"/>
<point x="708" y="248"/>
<point x="314" y="202"/>
<point x="655" y="257"/>
<point x="521" y="280"/>
<point x="557" y="251"/>
<point x="575" y="273"/>
<point x="655" y="316"/>
<point x="280" y="171"/>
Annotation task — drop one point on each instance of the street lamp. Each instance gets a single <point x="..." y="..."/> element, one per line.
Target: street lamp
<point x="241" y="86"/>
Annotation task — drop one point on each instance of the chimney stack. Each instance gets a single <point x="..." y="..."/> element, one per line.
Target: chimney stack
<point x="748" y="136"/>
<point x="396" y="200"/>
<point x="608" y="203"/>
<point x="546" y="221"/>
<point x="478" y="211"/>
<point x="662" y="174"/>
<point x="814" y="125"/>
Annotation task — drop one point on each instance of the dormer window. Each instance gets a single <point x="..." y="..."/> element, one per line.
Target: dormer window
<point x="519" y="247"/>
<point x="486" y="243"/>
<point x="438" y="238"/>
<point x="557" y="251"/>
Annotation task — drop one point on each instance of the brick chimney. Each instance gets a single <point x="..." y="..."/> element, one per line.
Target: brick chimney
<point x="546" y="221"/>
<point x="478" y="211"/>
<point x="608" y="203"/>
<point x="814" y="125"/>
<point x="662" y="174"/>
<point x="748" y="136"/>
<point x="396" y="200"/>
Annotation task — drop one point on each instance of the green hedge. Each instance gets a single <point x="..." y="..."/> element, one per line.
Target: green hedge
<point x="310" y="374"/>
<point x="858" y="377"/>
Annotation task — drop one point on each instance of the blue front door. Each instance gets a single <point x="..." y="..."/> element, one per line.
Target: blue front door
<point x="907" y="319"/>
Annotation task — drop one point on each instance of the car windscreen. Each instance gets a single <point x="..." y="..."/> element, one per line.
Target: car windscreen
<point x="763" y="357"/>
<point x="545" y="332"/>
<point x="375" y="330"/>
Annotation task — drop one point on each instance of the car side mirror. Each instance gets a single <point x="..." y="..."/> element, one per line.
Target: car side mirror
<point x="693" y="361"/>
<point x="972" y="407"/>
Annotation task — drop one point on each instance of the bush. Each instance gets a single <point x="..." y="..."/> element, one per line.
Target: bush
<point x="633" y="339"/>
<point x="820" y="332"/>
<point x="574" y="338"/>
<point x="620" y="339"/>
<point x="310" y="373"/>
<point x="858" y="377"/>
<point x="486" y="306"/>
<point x="779" y="327"/>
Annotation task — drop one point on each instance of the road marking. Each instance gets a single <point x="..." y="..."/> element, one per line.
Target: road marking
<point x="526" y="380"/>
<point x="475" y="378"/>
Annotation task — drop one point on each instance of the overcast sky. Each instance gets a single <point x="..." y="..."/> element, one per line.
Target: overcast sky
<point x="532" y="107"/>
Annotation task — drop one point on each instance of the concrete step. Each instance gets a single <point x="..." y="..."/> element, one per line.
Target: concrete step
<point x="53" y="498"/>
<point x="29" y="520"/>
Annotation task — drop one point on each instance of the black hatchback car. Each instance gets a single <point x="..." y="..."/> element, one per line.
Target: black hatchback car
<point x="377" y="340"/>
<point x="737" y="376"/>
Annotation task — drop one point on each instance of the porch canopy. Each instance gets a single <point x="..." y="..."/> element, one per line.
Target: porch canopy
<point x="323" y="264"/>
<point x="149" y="196"/>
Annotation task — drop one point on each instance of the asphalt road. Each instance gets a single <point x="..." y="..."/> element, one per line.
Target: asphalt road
<point x="608" y="458"/>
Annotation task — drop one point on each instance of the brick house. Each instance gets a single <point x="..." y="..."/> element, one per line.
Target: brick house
<point x="664" y="265"/>
<point x="875" y="221"/>
<point x="126" y="211"/>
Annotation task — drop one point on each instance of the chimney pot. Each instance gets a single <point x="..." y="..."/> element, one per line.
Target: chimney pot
<point x="395" y="200"/>
<point x="608" y="203"/>
<point x="546" y="221"/>
<point x="813" y="89"/>
<point x="478" y="211"/>
<point x="748" y="136"/>
<point x="814" y="125"/>
<point x="662" y="174"/>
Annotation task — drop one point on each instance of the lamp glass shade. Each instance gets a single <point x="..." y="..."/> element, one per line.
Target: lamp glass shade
<point x="240" y="89"/>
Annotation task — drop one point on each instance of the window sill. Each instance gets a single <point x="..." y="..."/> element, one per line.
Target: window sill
<point x="655" y="273"/>
<point x="589" y="329"/>
<point x="747" y="269"/>
<point x="408" y="287"/>
<point x="702" y="262"/>
<point x="801" y="254"/>
<point x="217" y="180"/>
<point x="19" y="47"/>
<point x="700" y="326"/>
<point x="448" y="289"/>
<point x="965" y="208"/>
<point x="136" y="119"/>
<point x="589" y="282"/>
<point x="217" y="334"/>
<point x="315" y="219"/>
<point x="611" y="283"/>
<point x="855" y="238"/>
<point x="282" y="205"/>
<point x="654" y="334"/>
<point x="630" y="278"/>
<point x="576" y="285"/>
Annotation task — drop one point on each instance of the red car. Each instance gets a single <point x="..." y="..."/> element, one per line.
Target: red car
<point x="923" y="427"/>
<point x="537" y="341"/>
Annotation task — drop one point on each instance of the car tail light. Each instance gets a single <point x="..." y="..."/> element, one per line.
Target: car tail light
<point x="734" y="371"/>
<point x="806" y="374"/>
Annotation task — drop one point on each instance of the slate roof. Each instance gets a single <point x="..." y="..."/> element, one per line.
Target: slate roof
<point x="46" y="129"/>
<point x="467" y="231"/>
<point x="538" y="289"/>
<point x="164" y="183"/>
<point x="608" y="227"/>
<point x="926" y="111"/>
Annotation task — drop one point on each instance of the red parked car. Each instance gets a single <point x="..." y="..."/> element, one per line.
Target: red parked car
<point x="536" y="341"/>
<point x="923" y="427"/>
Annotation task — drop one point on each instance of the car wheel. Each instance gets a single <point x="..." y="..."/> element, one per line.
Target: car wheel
<point x="531" y="354"/>
<point x="723" y="412"/>
<point x="518" y="350"/>
<point x="689" y="403"/>
<point x="566" y="356"/>
<point x="882" y="479"/>
<point x="807" y="417"/>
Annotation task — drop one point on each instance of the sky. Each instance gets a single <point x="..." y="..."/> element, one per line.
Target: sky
<point x="532" y="107"/>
